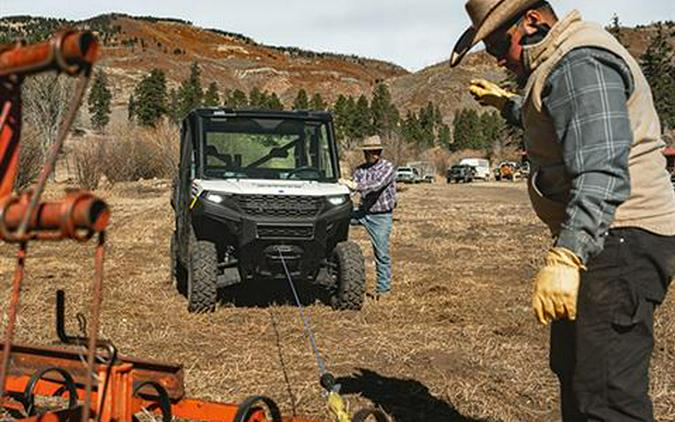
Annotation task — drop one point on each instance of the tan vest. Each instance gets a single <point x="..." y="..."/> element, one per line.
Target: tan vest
<point x="651" y="204"/>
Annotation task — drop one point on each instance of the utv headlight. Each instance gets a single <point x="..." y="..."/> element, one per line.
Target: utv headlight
<point x="214" y="197"/>
<point x="338" y="200"/>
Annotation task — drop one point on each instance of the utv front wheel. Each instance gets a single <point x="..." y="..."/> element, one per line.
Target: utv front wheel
<point x="348" y="270"/>
<point x="202" y="293"/>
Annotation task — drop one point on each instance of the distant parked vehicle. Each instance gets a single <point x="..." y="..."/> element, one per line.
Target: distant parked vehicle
<point x="481" y="166"/>
<point x="429" y="178"/>
<point x="426" y="171"/>
<point x="461" y="173"/>
<point x="406" y="175"/>
<point x="508" y="170"/>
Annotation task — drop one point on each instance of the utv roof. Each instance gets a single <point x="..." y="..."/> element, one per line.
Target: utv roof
<point x="252" y="112"/>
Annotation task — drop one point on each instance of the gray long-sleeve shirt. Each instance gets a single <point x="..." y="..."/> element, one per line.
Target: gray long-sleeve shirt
<point x="586" y="96"/>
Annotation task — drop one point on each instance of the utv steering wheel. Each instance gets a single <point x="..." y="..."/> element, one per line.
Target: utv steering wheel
<point x="303" y="169"/>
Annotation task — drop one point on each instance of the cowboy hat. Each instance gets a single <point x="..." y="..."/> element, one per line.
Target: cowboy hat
<point x="487" y="16"/>
<point x="372" y="143"/>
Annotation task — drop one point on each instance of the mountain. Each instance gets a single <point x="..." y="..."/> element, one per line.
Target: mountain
<point x="132" y="46"/>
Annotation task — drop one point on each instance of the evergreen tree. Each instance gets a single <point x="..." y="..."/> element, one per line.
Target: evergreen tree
<point x="190" y="92"/>
<point x="444" y="137"/>
<point x="360" y="124"/>
<point x="150" y="98"/>
<point x="273" y="102"/>
<point x="301" y="101"/>
<point x="211" y="97"/>
<point x="657" y="65"/>
<point x="99" y="102"/>
<point x="173" y="109"/>
<point x="468" y="131"/>
<point x="384" y="114"/>
<point x="257" y="98"/>
<point x="317" y="102"/>
<point x="236" y="99"/>
<point x="427" y="121"/>
<point x="493" y="127"/>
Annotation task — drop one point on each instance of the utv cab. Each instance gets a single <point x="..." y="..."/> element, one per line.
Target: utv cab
<point x="257" y="197"/>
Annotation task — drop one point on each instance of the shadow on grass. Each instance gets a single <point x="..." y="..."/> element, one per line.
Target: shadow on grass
<point x="262" y="293"/>
<point x="405" y="400"/>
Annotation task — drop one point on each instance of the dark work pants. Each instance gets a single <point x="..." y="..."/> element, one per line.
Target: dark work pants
<point x="602" y="359"/>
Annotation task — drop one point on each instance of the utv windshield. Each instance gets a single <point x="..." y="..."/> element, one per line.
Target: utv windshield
<point x="267" y="148"/>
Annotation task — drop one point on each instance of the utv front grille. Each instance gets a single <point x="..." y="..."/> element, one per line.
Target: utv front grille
<point x="280" y="206"/>
<point x="285" y="232"/>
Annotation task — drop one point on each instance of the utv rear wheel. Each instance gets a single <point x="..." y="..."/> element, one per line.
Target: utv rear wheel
<point x="202" y="293"/>
<point x="348" y="270"/>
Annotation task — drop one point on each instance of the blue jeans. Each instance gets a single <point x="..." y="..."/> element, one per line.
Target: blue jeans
<point x="379" y="227"/>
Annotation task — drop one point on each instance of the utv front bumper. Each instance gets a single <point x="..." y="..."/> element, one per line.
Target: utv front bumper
<point x="268" y="232"/>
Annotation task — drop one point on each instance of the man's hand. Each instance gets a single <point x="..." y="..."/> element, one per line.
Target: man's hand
<point x="489" y="93"/>
<point x="349" y="183"/>
<point x="556" y="286"/>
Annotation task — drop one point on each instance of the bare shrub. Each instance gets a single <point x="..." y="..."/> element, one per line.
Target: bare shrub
<point x="46" y="98"/>
<point x="88" y="157"/>
<point x="132" y="153"/>
<point x="31" y="159"/>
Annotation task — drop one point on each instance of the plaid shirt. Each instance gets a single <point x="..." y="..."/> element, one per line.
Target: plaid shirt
<point x="377" y="186"/>
<point x="586" y="96"/>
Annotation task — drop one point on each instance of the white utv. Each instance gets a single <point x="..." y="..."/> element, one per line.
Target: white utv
<point x="257" y="197"/>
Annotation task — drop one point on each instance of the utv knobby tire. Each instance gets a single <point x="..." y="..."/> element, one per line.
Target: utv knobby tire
<point x="351" y="276"/>
<point x="202" y="292"/>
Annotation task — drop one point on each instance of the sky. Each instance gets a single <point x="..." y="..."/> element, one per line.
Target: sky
<point x="411" y="33"/>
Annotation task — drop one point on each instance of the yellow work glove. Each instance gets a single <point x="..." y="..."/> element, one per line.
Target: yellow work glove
<point x="489" y="93"/>
<point x="349" y="183"/>
<point x="556" y="286"/>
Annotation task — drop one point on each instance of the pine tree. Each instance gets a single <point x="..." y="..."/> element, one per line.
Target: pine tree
<point x="190" y="92"/>
<point x="615" y="28"/>
<point x="301" y="101"/>
<point x="150" y="98"/>
<point x="236" y="99"/>
<point x="360" y="125"/>
<point x="384" y="114"/>
<point x="273" y="102"/>
<point x="444" y="137"/>
<point x="211" y="97"/>
<point x="657" y="65"/>
<point x="99" y="102"/>
<point x="317" y="102"/>
<point x="173" y="107"/>
<point x="257" y="98"/>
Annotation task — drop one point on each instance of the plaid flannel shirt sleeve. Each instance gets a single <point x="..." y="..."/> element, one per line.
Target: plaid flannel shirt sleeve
<point x="383" y="176"/>
<point x="586" y="97"/>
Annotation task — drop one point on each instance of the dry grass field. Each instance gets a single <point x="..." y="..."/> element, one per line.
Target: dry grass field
<point x="457" y="340"/>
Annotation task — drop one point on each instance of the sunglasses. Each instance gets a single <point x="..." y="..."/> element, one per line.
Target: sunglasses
<point x="501" y="44"/>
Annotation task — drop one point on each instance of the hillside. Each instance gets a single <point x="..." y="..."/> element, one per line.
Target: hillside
<point x="447" y="86"/>
<point x="134" y="45"/>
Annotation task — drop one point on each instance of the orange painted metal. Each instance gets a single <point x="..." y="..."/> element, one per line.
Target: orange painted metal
<point x="78" y="211"/>
<point x="66" y="51"/>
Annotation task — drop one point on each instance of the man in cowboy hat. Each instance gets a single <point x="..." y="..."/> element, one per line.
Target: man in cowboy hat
<point x="375" y="181"/>
<point x="598" y="181"/>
